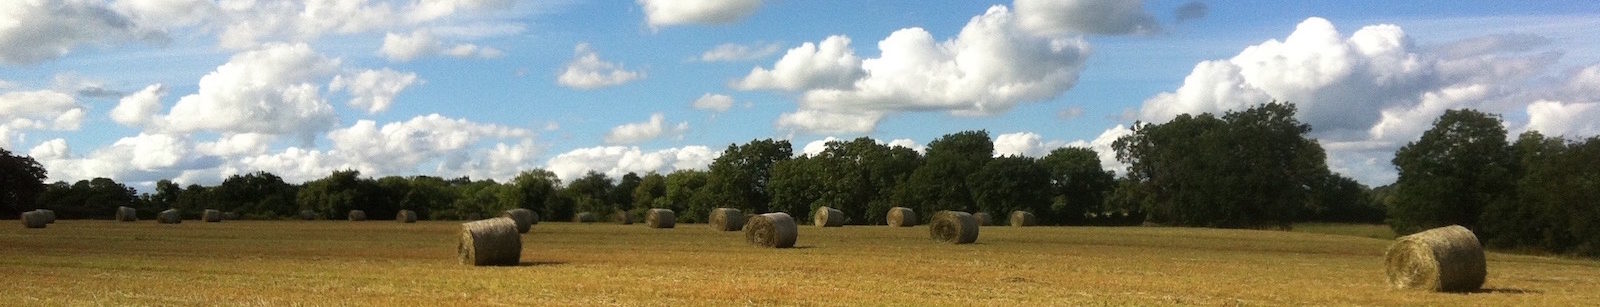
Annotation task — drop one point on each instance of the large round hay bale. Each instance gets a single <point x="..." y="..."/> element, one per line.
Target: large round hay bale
<point x="775" y="229"/>
<point x="622" y="217"/>
<point x="406" y="216"/>
<point x="983" y="218"/>
<point x="1021" y="218"/>
<point x="953" y="227"/>
<point x="211" y="216"/>
<point x="49" y="215"/>
<point x="1447" y="259"/>
<point x="308" y="215"/>
<point x="34" y="219"/>
<point x="660" y="218"/>
<point x="126" y="214"/>
<point x="828" y="217"/>
<point x="726" y="219"/>
<point x="357" y="215"/>
<point x="169" y="216"/>
<point x="523" y="217"/>
<point x="230" y="215"/>
<point x="490" y="242"/>
<point x="585" y="217"/>
<point x="902" y="217"/>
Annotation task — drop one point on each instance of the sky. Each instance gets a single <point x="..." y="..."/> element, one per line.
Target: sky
<point x="197" y="90"/>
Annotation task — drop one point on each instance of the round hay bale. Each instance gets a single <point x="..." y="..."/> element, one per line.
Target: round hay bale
<point x="490" y="242"/>
<point x="34" y="219"/>
<point x="49" y="215"/>
<point x="308" y="215"/>
<point x="169" y="216"/>
<point x="660" y="218"/>
<point x="775" y="230"/>
<point x="902" y="217"/>
<point x="126" y="214"/>
<point x="523" y="217"/>
<point x="1021" y="218"/>
<point x="406" y="216"/>
<point x="726" y="219"/>
<point x="828" y="217"/>
<point x="357" y="215"/>
<point x="584" y="217"/>
<point x="953" y="227"/>
<point x="212" y="216"/>
<point x="983" y="218"/>
<point x="230" y="215"/>
<point x="1445" y="259"/>
<point x="622" y="217"/>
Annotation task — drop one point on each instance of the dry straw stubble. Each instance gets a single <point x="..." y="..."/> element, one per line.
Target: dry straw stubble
<point x="726" y="219"/>
<point x="169" y="216"/>
<point x="490" y="242"/>
<point x="902" y="217"/>
<point x="1446" y="259"/>
<point x="776" y="230"/>
<point x="953" y="227"/>
<point x="660" y="218"/>
<point x="523" y="217"/>
<point x="828" y="217"/>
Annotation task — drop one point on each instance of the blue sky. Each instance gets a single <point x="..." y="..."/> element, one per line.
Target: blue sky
<point x="194" y="90"/>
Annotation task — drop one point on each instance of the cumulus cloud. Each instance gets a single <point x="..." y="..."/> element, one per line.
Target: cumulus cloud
<point x="1193" y="10"/>
<point x="829" y="64"/>
<point x="271" y="90"/>
<point x="374" y="90"/>
<point x="616" y="161"/>
<point x="404" y="48"/>
<point x="1554" y="118"/>
<point x="168" y="13"/>
<point x="37" y="110"/>
<point x="1024" y="144"/>
<point x="735" y="52"/>
<point x="141" y="158"/>
<point x="713" y="102"/>
<point x="402" y="146"/>
<point x="587" y="71"/>
<point x="1109" y="17"/>
<point x="662" y="13"/>
<point x="139" y="108"/>
<point x="656" y="127"/>
<point x="428" y="10"/>
<point x="37" y="31"/>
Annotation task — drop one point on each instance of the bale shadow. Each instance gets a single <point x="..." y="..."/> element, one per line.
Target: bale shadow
<point x="802" y="247"/>
<point x="541" y="263"/>
<point x="1505" y="291"/>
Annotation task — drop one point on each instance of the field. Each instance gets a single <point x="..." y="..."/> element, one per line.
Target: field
<point x="386" y="263"/>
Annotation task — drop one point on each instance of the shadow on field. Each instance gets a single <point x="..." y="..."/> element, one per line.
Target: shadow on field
<point x="541" y="263"/>
<point x="1505" y="291"/>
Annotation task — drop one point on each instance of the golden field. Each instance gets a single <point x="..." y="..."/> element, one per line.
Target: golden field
<point x="386" y="263"/>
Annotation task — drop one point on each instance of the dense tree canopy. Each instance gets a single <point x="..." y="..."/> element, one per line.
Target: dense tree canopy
<point x="740" y="177"/>
<point x="1079" y="184"/>
<point x="1449" y="175"/>
<point x="21" y="182"/>
<point x="941" y="182"/>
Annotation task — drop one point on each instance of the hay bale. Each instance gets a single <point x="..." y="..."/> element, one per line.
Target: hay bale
<point x="406" y="216"/>
<point x="308" y="215"/>
<point x="490" y="242"/>
<point x="953" y="227"/>
<point x="660" y="218"/>
<point x="1021" y="218"/>
<point x="169" y="216"/>
<point x="1446" y="259"/>
<point x="983" y="218"/>
<point x="621" y="217"/>
<point x="828" y="217"/>
<point x="726" y="219"/>
<point x="126" y="214"/>
<point x="523" y="217"/>
<point x="775" y="229"/>
<point x="902" y="217"/>
<point x="230" y="215"/>
<point x="584" y="217"/>
<point x="34" y="219"/>
<point x="49" y="215"/>
<point x="357" y="215"/>
<point x="212" y="216"/>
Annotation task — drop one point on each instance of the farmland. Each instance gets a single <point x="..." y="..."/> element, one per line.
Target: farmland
<point x="90" y="262"/>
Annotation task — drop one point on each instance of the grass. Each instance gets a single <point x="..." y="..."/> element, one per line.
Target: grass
<point x="386" y="263"/>
<point x="1375" y="231"/>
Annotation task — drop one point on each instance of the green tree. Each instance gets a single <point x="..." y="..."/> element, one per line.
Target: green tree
<point x="621" y="195"/>
<point x="1011" y="183"/>
<point x="739" y="178"/>
<point x="686" y="189"/>
<point x="534" y="188"/>
<point x="940" y="183"/>
<point x="334" y="196"/>
<point x="591" y="193"/>
<point x="1078" y="183"/>
<point x="651" y="193"/>
<point x="21" y="183"/>
<point x="93" y="198"/>
<point x="1449" y="175"/>
<point x="260" y="194"/>
<point x="860" y="177"/>
<point x="797" y="186"/>
<point x="1337" y="198"/>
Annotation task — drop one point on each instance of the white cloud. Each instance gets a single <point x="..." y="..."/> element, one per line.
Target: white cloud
<point x="145" y="157"/>
<point x="374" y="90"/>
<point x="828" y="122"/>
<point x="463" y="51"/>
<point x="396" y="148"/>
<point x="656" y="127"/>
<point x="1086" y="17"/>
<point x="237" y="145"/>
<point x="271" y="90"/>
<point x="139" y="108"/>
<point x="662" y="13"/>
<point x="37" y="31"/>
<point x="816" y="147"/>
<point x="428" y="10"/>
<point x="829" y="64"/>
<point x="616" y="161"/>
<point x="404" y="48"/>
<point x="37" y="110"/>
<point x="1024" y="144"/>
<point x="587" y="71"/>
<point x="735" y="52"/>
<point x="908" y="144"/>
<point x="1554" y="118"/>
<point x="713" y="102"/>
<point x="249" y="24"/>
<point x="167" y="13"/>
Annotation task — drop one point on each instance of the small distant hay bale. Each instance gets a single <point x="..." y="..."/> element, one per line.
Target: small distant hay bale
<point x="523" y="217"/>
<point x="1021" y="218"/>
<point x="490" y="242"/>
<point x="49" y="215"/>
<point x="212" y="216"/>
<point x="953" y="227"/>
<point x="775" y="230"/>
<point x="1445" y="259"/>
<point x="126" y="214"/>
<point x="828" y="217"/>
<point x="406" y="216"/>
<point x="169" y="216"/>
<point x="660" y="218"/>
<point x="34" y="219"/>
<point x="622" y="217"/>
<point x="584" y="217"/>
<point x="726" y="219"/>
<point x="983" y="218"/>
<point x="902" y="217"/>
<point x="230" y="215"/>
<point x="357" y="215"/>
<point x="308" y="215"/>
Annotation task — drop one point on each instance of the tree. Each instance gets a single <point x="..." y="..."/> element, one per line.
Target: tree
<point x="334" y="196"/>
<point x="21" y="183"/>
<point x="740" y="177"/>
<point x="651" y="193"/>
<point x="1449" y="175"/>
<point x="94" y="198"/>
<point x="534" y="188"/>
<point x="860" y="177"/>
<point x="686" y="189"/>
<point x="940" y="183"/>
<point x="261" y="194"/>
<point x="1340" y="199"/>
<point x="621" y="195"/>
<point x="591" y="193"/>
<point x="1011" y="183"/>
<point x="797" y="186"/>
<point x="1078" y="183"/>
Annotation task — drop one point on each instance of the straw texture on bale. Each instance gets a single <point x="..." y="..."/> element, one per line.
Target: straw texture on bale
<point x="49" y="215"/>
<point x="584" y="217"/>
<point x="357" y="215"/>
<point x="230" y="215"/>
<point x="828" y="217"/>
<point x="34" y="219"/>
<point x="953" y="227"/>
<point x="775" y="229"/>
<point x="1446" y="259"/>
<point x="169" y="216"/>
<point x="126" y="214"/>
<point x="1021" y="218"/>
<point x="406" y="216"/>
<point x="490" y="242"/>
<point x="308" y="215"/>
<point x="660" y="218"/>
<point x="622" y="217"/>
<point x="983" y="218"/>
<point x="523" y="217"/>
<point x="726" y="219"/>
<point x="212" y="216"/>
<point x="902" y="217"/>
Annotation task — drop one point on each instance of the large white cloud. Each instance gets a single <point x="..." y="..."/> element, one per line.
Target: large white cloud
<point x="374" y="90"/>
<point x="661" y="13"/>
<point x="656" y="127"/>
<point x="37" y="110"/>
<point x="36" y="31"/>
<point x="616" y="161"/>
<point x="829" y="64"/>
<point x="396" y="148"/>
<point x="139" y="108"/>
<point x="1086" y="16"/>
<point x="587" y="71"/>
<point x="272" y="90"/>
<point x="1024" y="144"/>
